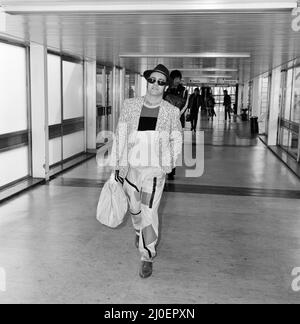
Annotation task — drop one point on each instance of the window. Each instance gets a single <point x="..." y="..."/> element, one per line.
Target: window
<point x="290" y="112"/>
<point x="288" y="90"/>
<point x="295" y="113"/>
<point x="14" y="125"/>
<point x="65" y="109"/>
<point x="264" y="104"/>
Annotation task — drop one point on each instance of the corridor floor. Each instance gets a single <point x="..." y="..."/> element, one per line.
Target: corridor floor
<point x="229" y="236"/>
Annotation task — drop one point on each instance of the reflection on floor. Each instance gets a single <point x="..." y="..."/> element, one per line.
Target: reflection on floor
<point x="229" y="236"/>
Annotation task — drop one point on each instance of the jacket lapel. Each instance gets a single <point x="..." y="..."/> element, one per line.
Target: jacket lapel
<point x="161" y="120"/>
<point x="137" y="113"/>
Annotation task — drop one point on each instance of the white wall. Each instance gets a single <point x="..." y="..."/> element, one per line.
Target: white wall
<point x="13" y="91"/>
<point x="39" y="111"/>
<point x="91" y="103"/>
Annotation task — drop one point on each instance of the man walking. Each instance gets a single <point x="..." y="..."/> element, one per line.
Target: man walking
<point x="147" y="144"/>
<point x="177" y="95"/>
<point x="227" y="104"/>
<point x="194" y="106"/>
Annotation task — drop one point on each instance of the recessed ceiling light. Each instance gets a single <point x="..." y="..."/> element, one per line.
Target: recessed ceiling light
<point x="186" y="55"/>
<point x="205" y="70"/>
<point x="209" y="76"/>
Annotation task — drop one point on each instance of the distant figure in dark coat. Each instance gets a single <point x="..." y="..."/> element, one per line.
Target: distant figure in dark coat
<point x="177" y="95"/>
<point x="194" y="106"/>
<point x="211" y="106"/>
<point x="227" y="104"/>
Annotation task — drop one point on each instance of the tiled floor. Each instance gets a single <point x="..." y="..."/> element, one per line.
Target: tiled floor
<point x="229" y="236"/>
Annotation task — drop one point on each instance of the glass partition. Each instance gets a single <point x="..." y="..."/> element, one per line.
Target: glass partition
<point x="73" y="109"/>
<point x="295" y="114"/>
<point x="101" y="101"/>
<point x="250" y="98"/>
<point x="286" y="112"/>
<point x="54" y="108"/>
<point x="264" y="104"/>
<point x="109" y="99"/>
<point x="14" y="165"/>
<point x="72" y="90"/>
<point x="289" y="130"/>
<point x="130" y="86"/>
<point x="73" y="144"/>
<point x="54" y="89"/>
<point x="127" y="86"/>
<point x="13" y="94"/>
<point x="65" y="109"/>
<point x="14" y="117"/>
<point x="218" y="93"/>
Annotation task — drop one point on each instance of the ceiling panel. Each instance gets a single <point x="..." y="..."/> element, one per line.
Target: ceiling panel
<point x="142" y="5"/>
<point x="267" y="36"/>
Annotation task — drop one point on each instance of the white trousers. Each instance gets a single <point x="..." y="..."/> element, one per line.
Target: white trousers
<point x="144" y="188"/>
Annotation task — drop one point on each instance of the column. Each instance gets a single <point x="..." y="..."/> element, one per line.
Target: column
<point x="137" y="85"/>
<point x="114" y="100"/>
<point x="237" y="94"/>
<point x="274" y="107"/>
<point x="122" y="88"/>
<point x="256" y="97"/>
<point x="90" y="104"/>
<point x="240" y="99"/>
<point x="143" y="86"/>
<point x="245" y="95"/>
<point x="39" y="111"/>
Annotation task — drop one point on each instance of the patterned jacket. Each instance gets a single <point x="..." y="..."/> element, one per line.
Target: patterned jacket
<point x="168" y="125"/>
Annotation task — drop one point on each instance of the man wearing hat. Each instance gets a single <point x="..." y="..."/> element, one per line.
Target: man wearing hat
<point x="177" y="95"/>
<point x="147" y="144"/>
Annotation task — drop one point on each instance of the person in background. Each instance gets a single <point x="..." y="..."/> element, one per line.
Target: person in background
<point x="177" y="95"/>
<point x="147" y="144"/>
<point x="227" y="104"/>
<point x="211" y="106"/>
<point x="131" y="92"/>
<point x="194" y="106"/>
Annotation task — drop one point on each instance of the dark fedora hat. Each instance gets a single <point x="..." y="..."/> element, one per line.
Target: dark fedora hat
<point x="160" y="69"/>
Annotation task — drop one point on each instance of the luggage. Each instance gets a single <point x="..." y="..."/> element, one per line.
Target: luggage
<point x="112" y="205"/>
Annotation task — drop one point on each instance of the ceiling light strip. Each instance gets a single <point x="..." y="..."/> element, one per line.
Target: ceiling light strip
<point x="205" y="70"/>
<point x="209" y="76"/>
<point x="186" y="55"/>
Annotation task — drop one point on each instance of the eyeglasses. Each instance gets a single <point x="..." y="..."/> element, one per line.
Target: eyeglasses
<point x="159" y="82"/>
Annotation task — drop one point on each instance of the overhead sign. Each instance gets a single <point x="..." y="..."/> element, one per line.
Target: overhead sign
<point x="210" y="81"/>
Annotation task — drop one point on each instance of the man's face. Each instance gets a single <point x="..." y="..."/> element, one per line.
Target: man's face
<point x="154" y="88"/>
<point x="177" y="81"/>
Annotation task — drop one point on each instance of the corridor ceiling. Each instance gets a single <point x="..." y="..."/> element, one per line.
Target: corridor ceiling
<point x="188" y="34"/>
